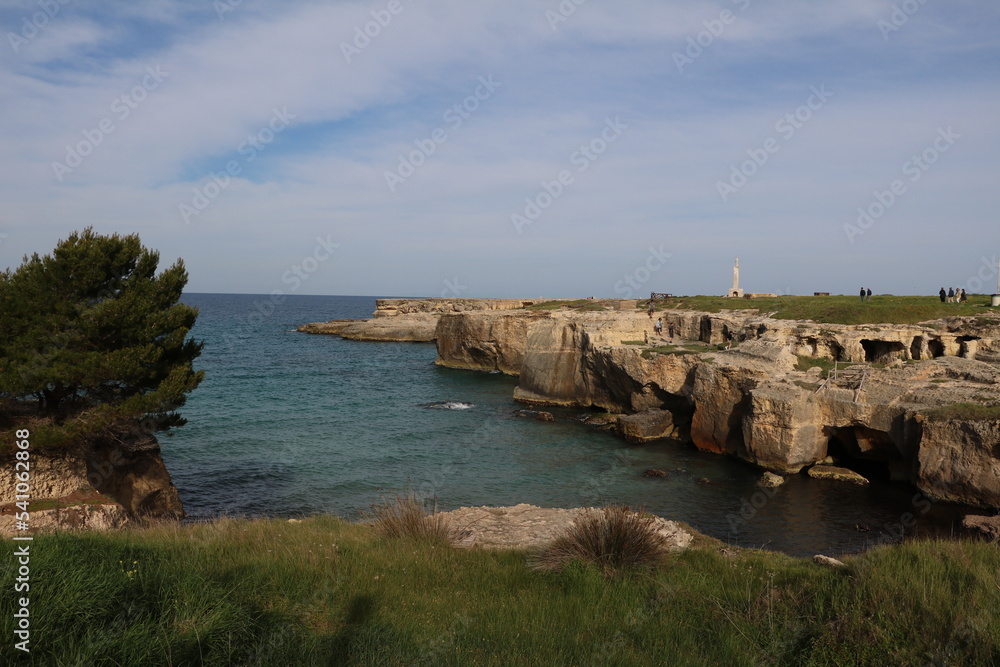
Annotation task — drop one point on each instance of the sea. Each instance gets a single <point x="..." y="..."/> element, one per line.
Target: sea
<point x="288" y="424"/>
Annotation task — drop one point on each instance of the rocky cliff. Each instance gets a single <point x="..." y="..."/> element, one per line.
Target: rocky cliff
<point x="102" y="485"/>
<point x="760" y="400"/>
<point x="410" y="320"/>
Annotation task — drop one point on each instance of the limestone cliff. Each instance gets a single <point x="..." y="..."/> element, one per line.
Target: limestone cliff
<point x="100" y="485"/>
<point x="485" y="341"/>
<point x="410" y="320"/>
<point x="755" y="401"/>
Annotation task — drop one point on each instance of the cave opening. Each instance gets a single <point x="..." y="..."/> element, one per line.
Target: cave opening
<point x="936" y="348"/>
<point x="681" y="407"/>
<point x="883" y="351"/>
<point x="967" y="346"/>
<point x="915" y="347"/>
<point x="867" y="452"/>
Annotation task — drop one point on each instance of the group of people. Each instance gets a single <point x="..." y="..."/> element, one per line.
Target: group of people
<point x="866" y="294"/>
<point x="953" y="295"/>
<point x="658" y="328"/>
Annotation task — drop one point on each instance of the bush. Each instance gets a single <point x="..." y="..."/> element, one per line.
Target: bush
<point x="405" y="517"/>
<point x="613" y="538"/>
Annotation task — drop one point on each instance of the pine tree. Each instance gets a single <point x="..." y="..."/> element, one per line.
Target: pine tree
<point x="93" y="343"/>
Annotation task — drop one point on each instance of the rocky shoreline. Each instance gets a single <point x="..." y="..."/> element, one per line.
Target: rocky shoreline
<point x="102" y="485"/>
<point x="742" y="384"/>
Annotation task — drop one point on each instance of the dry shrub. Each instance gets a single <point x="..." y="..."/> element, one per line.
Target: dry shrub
<point x="614" y="538"/>
<point x="405" y="516"/>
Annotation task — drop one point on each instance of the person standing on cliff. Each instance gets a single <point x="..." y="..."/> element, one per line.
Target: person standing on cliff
<point x="951" y="294"/>
<point x="650" y="309"/>
<point x="670" y="330"/>
<point x="862" y="294"/>
<point x="658" y="327"/>
<point x="943" y="295"/>
<point x="869" y="294"/>
<point x="962" y="298"/>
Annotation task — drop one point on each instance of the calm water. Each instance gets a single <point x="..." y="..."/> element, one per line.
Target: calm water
<point x="291" y="424"/>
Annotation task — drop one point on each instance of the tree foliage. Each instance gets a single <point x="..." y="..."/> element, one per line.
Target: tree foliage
<point x="93" y="342"/>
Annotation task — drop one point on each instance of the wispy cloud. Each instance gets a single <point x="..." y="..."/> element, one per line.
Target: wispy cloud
<point x="325" y="172"/>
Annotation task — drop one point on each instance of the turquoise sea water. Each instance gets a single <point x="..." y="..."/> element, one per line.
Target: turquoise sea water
<point x="289" y="424"/>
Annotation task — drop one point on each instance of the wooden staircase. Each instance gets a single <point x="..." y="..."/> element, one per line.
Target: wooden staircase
<point x="848" y="375"/>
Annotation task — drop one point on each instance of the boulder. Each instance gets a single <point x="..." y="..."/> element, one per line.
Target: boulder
<point x="835" y="473"/>
<point x="987" y="526"/>
<point x="647" y="426"/>
<point x="826" y="561"/>
<point x="771" y="481"/>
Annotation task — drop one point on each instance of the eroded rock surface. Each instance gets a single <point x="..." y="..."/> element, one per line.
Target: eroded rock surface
<point x="130" y="478"/>
<point x="529" y="527"/>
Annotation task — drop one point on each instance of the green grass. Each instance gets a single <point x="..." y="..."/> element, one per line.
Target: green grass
<point x="325" y="592"/>
<point x="882" y="309"/>
<point x="966" y="411"/>
<point x="586" y="305"/>
<point x="823" y="363"/>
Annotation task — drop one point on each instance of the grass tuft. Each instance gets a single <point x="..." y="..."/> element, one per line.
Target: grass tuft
<point x="405" y="517"/>
<point x="615" y="539"/>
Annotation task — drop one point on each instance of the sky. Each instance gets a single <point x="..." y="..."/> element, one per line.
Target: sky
<point x="520" y="148"/>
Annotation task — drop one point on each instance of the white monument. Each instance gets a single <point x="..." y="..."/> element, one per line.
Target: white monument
<point x="736" y="292"/>
<point x="995" y="298"/>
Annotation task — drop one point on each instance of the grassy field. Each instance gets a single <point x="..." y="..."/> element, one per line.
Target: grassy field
<point x="882" y="309"/>
<point x="326" y="592"/>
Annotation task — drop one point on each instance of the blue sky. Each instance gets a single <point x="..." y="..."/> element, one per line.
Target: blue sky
<point x="548" y="149"/>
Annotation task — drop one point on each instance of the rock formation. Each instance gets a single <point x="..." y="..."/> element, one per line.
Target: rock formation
<point x="530" y="527"/>
<point x="410" y="320"/>
<point x="766" y="400"/>
<point x="102" y="485"/>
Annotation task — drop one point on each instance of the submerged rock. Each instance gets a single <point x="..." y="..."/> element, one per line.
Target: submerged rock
<point x="771" y="481"/>
<point x="835" y="473"/>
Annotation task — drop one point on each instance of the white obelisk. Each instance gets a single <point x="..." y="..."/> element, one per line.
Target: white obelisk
<point x="995" y="298"/>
